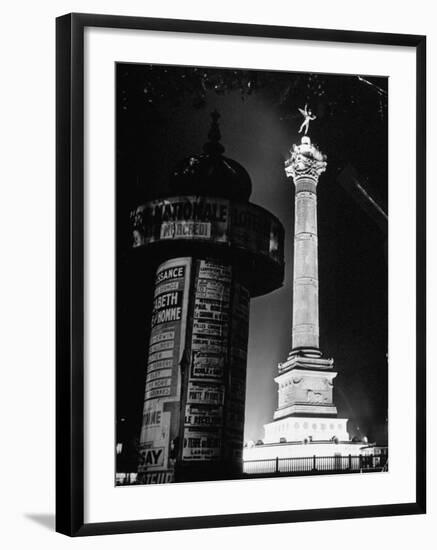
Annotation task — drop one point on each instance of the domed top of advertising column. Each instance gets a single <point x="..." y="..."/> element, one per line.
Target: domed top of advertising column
<point x="211" y="174"/>
<point x="206" y="213"/>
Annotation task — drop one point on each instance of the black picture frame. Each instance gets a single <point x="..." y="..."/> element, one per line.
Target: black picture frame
<point x="70" y="273"/>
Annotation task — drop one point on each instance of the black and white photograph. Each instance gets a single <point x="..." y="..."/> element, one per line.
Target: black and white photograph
<point x="251" y="274"/>
<point x="218" y="275"/>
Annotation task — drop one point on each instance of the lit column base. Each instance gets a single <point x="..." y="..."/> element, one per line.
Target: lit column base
<point x="302" y="428"/>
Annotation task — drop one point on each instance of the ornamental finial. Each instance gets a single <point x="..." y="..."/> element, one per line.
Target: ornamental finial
<point x="213" y="146"/>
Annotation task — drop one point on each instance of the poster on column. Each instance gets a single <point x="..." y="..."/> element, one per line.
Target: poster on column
<point x="161" y="413"/>
<point x="234" y="416"/>
<point x="206" y="387"/>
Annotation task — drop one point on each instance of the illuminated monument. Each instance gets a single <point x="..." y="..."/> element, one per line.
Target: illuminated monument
<point x="306" y="379"/>
<point x="305" y="423"/>
<point x="212" y="251"/>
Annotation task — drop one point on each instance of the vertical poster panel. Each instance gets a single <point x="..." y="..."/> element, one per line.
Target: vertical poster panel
<point x="161" y="413"/>
<point x="204" y="409"/>
<point x="236" y="391"/>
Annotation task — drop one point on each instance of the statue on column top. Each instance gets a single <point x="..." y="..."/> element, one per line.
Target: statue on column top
<point x="308" y="116"/>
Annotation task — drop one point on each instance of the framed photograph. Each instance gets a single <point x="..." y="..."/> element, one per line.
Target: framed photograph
<point x="240" y="274"/>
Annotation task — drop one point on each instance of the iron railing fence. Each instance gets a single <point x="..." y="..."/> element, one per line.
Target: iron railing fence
<point x="315" y="464"/>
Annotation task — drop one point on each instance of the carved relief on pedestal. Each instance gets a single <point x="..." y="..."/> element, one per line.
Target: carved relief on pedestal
<point x="304" y="388"/>
<point x="314" y="396"/>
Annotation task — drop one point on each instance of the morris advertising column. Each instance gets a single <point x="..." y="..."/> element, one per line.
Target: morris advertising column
<point x="213" y="250"/>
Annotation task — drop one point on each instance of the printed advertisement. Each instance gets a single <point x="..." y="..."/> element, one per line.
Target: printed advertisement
<point x="161" y="414"/>
<point x="205" y="393"/>
<point x="209" y="351"/>
<point x="206" y="219"/>
<point x="201" y="445"/>
<point x="234" y="415"/>
<point x="185" y="217"/>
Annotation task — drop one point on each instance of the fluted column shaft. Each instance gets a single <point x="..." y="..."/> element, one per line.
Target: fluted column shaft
<point x="305" y="278"/>
<point x="305" y="165"/>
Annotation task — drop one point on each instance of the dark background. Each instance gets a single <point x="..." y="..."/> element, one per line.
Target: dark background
<point x="163" y="115"/>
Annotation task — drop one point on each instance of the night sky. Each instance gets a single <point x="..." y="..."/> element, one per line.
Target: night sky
<point x="163" y="115"/>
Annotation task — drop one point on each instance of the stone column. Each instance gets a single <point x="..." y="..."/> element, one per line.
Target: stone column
<point x="305" y="166"/>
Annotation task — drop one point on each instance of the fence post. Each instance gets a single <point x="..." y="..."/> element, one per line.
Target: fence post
<point x="314" y="462"/>
<point x="361" y="461"/>
<point x="350" y="462"/>
<point x="277" y="464"/>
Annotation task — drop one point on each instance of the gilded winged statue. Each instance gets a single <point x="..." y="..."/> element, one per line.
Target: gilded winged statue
<point x="308" y="116"/>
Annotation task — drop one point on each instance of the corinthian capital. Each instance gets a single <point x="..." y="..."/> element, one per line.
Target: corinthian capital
<point x="305" y="160"/>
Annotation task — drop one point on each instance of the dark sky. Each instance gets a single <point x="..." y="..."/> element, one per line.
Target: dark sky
<point x="162" y="117"/>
